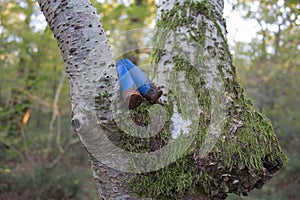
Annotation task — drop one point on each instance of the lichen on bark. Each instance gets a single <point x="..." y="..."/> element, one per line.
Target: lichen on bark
<point x="247" y="152"/>
<point x="90" y="65"/>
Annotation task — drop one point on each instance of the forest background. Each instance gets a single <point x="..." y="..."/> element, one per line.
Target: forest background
<point x="41" y="157"/>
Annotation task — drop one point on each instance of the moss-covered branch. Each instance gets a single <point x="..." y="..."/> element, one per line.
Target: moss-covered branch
<point x="247" y="152"/>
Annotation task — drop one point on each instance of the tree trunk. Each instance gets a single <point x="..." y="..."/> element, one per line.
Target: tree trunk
<point x="90" y="66"/>
<point x="213" y="141"/>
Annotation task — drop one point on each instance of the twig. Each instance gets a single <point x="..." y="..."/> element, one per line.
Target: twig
<point x="24" y="141"/>
<point x="58" y="135"/>
<point x="35" y="98"/>
<point x="60" y="156"/>
<point x="55" y="108"/>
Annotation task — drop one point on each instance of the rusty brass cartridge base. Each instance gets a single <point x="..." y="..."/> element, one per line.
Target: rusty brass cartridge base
<point x="132" y="98"/>
<point x="153" y="94"/>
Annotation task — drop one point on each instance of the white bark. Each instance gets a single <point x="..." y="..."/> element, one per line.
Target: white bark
<point x="178" y="43"/>
<point x="90" y="66"/>
<point x="89" y="63"/>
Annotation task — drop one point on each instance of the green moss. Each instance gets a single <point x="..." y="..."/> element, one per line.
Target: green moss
<point x="140" y="116"/>
<point x="177" y="17"/>
<point x="247" y="152"/>
<point x="167" y="183"/>
<point x="100" y="100"/>
<point x="180" y="177"/>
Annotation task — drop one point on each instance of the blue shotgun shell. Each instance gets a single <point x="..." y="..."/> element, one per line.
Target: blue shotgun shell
<point x="144" y="85"/>
<point x="129" y="91"/>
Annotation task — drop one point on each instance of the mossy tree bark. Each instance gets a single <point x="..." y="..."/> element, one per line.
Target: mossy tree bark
<point x="245" y="153"/>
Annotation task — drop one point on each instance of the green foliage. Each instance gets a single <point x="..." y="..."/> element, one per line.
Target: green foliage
<point x="42" y="183"/>
<point x="58" y="185"/>
<point x="122" y="16"/>
<point x="118" y="16"/>
<point x="30" y="71"/>
<point x="269" y="70"/>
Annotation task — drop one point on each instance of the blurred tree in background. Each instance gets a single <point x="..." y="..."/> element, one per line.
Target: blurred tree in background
<point x="35" y="133"/>
<point x="269" y="68"/>
<point x="34" y="127"/>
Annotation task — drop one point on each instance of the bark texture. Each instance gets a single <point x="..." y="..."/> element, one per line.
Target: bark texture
<point x="246" y="152"/>
<point x="89" y="63"/>
<point x="192" y="50"/>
